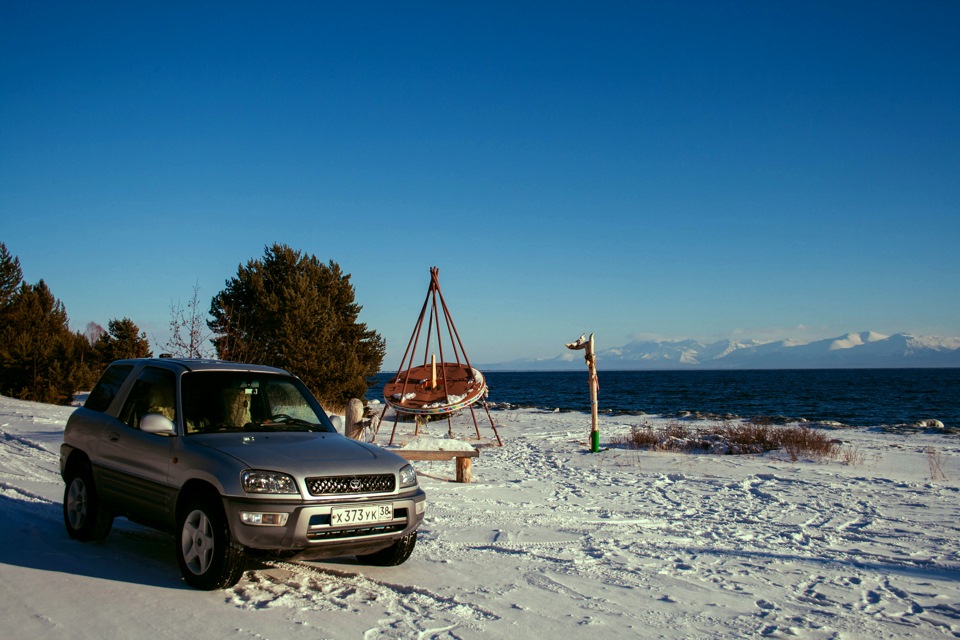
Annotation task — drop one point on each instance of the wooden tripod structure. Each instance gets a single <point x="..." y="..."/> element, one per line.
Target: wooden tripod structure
<point x="436" y="388"/>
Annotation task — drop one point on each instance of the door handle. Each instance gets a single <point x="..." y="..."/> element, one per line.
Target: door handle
<point x="113" y="437"/>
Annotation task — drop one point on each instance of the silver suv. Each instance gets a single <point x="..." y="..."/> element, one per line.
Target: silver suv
<point x="231" y="458"/>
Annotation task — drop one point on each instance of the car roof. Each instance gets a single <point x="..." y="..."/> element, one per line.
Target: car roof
<point x="201" y="364"/>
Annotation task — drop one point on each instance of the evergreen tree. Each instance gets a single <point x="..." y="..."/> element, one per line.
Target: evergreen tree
<point x="35" y="342"/>
<point x="292" y="311"/>
<point x="86" y="366"/>
<point x="10" y="275"/>
<point x="40" y="358"/>
<point x="122" y="340"/>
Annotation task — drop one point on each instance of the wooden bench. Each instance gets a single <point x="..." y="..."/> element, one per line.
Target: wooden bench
<point x="463" y="459"/>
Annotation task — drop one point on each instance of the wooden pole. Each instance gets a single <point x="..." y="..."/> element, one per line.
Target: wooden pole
<point x="594" y="419"/>
<point x="353" y="418"/>
<point x="584" y="343"/>
<point x="376" y="431"/>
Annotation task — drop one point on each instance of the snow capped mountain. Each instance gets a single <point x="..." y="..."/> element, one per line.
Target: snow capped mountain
<point x="867" y="349"/>
<point x="852" y="340"/>
<point x="682" y="352"/>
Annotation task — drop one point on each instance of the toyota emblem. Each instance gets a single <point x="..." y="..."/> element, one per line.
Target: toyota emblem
<point x="355" y="484"/>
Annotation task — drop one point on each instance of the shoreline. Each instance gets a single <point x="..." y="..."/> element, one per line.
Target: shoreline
<point x="861" y="398"/>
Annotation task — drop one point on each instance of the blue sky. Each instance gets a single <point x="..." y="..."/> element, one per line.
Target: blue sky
<point x="634" y="169"/>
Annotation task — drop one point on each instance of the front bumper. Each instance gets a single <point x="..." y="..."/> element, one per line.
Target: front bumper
<point x="308" y="530"/>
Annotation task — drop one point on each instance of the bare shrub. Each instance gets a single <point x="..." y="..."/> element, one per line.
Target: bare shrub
<point x="641" y="437"/>
<point x="676" y="430"/>
<point x="935" y="464"/>
<point x="189" y="337"/>
<point x="737" y="438"/>
<point x="852" y="456"/>
<point x="799" y="441"/>
<point x="792" y="451"/>
<point x="757" y="436"/>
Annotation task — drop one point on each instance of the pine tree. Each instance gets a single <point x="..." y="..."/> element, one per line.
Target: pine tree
<point x="292" y="311"/>
<point x="86" y="366"/>
<point x="35" y="342"/>
<point x="122" y="340"/>
<point x="10" y="275"/>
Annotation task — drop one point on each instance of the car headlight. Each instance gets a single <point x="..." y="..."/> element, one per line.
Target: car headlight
<point x="255" y="481"/>
<point x="408" y="477"/>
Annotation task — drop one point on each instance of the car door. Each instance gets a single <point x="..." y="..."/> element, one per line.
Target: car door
<point x="134" y="464"/>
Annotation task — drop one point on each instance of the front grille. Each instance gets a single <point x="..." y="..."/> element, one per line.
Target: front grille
<point x="381" y="483"/>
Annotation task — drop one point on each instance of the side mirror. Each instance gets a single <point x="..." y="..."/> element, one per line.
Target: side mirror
<point x="157" y="423"/>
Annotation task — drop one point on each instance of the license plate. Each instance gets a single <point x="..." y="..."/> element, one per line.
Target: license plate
<point x="360" y="515"/>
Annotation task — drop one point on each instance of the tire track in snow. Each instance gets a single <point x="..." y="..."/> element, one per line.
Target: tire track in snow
<point x="702" y="528"/>
<point x="23" y="459"/>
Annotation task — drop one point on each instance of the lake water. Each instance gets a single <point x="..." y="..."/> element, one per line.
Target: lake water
<point x="855" y="397"/>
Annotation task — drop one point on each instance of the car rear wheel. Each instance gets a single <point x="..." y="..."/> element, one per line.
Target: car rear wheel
<point x="85" y="518"/>
<point x="395" y="554"/>
<point x="208" y="556"/>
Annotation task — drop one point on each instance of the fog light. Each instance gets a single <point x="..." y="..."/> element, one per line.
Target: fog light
<point x="421" y="506"/>
<point x="263" y="519"/>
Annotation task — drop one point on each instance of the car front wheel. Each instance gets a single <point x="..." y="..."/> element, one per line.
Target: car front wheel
<point x="208" y="556"/>
<point x="84" y="517"/>
<point x="395" y="554"/>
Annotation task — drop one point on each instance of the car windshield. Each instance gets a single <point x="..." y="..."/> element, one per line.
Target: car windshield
<point x="225" y="401"/>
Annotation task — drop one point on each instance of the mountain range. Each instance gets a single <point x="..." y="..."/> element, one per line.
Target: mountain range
<point x="868" y="350"/>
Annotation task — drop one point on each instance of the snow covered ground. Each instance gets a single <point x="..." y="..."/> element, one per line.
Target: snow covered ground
<point x="549" y="540"/>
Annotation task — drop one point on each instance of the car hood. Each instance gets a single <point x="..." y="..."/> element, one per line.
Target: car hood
<point x="303" y="452"/>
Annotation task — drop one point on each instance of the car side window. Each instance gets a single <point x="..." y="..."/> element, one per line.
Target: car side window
<point x="107" y="387"/>
<point x="153" y="392"/>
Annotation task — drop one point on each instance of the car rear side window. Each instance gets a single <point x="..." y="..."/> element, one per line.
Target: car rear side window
<point x="107" y="387"/>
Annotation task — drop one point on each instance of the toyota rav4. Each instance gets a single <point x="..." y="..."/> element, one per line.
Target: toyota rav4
<point x="231" y="458"/>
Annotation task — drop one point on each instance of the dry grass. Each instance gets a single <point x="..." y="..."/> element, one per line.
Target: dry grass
<point x="935" y="464"/>
<point x="642" y="437"/>
<point x="804" y="441"/>
<point x="727" y="439"/>
<point x="852" y="456"/>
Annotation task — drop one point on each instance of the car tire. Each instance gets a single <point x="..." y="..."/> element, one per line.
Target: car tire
<point x="395" y="554"/>
<point x="84" y="516"/>
<point x="208" y="556"/>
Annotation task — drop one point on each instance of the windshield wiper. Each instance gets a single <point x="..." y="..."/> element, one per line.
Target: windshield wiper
<point x="284" y="422"/>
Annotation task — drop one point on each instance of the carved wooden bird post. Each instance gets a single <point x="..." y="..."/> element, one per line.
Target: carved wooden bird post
<point x="587" y="343"/>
